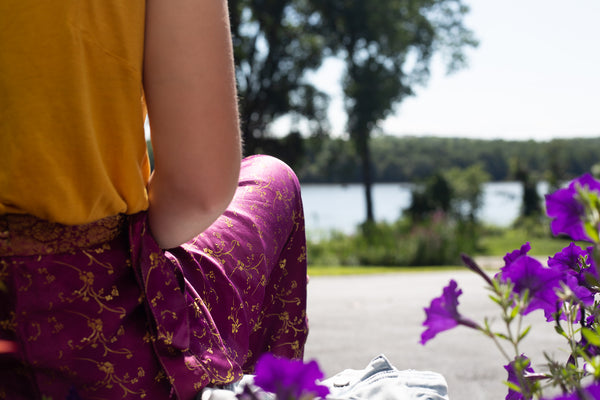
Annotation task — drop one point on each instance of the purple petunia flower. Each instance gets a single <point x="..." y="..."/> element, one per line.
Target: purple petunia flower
<point x="527" y="273"/>
<point x="513" y="378"/>
<point x="442" y="314"/>
<point x="574" y="263"/>
<point x="591" y="392"/>
<point x="568" y="258"/>
<point x="566" y="268"/>
<point x="566" y="212"/>
<point x="289" y="379"/>
<point x="593" y="269"/>
<point x="515" y="254"/>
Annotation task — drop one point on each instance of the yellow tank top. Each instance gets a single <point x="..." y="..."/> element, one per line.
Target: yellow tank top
<point x="72" y="145"/>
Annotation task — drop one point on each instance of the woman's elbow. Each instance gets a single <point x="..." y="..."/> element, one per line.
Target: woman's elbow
<point x="212" y="193"/>
<point x="183" y="207"/>
<point x="219" y="198"/>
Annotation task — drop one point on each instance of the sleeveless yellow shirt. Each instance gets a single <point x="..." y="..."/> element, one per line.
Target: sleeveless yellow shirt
<point x="72" y="145"/>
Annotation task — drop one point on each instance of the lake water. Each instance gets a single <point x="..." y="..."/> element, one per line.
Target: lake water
<point x="342" y="207"/>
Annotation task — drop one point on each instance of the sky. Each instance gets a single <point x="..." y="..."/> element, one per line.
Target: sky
<point x="535" y="75"/>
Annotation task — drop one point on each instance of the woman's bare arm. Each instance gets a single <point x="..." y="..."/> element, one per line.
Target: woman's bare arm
<point x="189" y="84"/>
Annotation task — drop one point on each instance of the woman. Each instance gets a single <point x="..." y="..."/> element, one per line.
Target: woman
<point x="91" y="303"/>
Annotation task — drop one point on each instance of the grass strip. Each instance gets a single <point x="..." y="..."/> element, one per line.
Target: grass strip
<point x="339" y="270"/>
<point x="511" y="239"/>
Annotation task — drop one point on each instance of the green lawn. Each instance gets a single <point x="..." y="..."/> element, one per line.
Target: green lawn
<point x="328" y="270"/>
<point x="507" y="240"/>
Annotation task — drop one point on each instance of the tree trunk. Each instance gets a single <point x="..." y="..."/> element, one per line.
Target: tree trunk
<point x="248" y="142"/>
<point x="247" y="130"/>
<point x="365" y="156"/>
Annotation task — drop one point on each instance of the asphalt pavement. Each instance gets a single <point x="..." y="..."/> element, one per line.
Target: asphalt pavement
<point x="355" y="318"/>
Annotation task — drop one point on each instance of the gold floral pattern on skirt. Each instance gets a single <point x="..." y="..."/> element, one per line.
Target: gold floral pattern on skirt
<point x="102" y="310"/>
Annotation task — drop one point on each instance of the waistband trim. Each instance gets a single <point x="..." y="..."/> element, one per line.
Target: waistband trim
<point x="26" y="235"/>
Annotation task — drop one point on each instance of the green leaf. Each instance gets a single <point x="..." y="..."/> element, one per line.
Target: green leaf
<point x="495" y="299"/>
<point x="525" y="332"/>
<point x="515" y="311"/>
<point x="496" y="284"/>
<point x="591" y="336"/>
<point x="594" y="365"/>
<point x="591" y="231"/>
<point x="486" y="323"/>
<point x="591" y="280"/>
<point x="560" y="330"/>
<point x="512" y="386"/>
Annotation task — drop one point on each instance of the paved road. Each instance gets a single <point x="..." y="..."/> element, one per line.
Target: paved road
<point x="353" y="319"/>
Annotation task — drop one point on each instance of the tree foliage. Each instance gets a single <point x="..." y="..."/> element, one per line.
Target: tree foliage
<point x="531" y="205"/>
<point x="275" y="43"/>
<point x="467" y="189"/>
<point x="414" y="159"/>
<point x="457" y="193"/>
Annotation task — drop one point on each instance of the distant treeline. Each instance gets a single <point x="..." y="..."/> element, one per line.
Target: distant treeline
<point x="413" y="159"/>
<point x="321" y="159"/>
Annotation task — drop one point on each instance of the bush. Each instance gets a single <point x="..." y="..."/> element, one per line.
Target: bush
<point x="438" y="240"/>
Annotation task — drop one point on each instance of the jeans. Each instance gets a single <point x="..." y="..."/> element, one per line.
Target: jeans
<point x="380" y="380"/>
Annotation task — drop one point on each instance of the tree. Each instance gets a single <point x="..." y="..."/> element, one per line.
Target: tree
<point x="435" y="195"/>
<point x="531" y="205"/>
<point x="388" y="46"/>
<point x="275" y="43"/>
<point x="467" y="185"/>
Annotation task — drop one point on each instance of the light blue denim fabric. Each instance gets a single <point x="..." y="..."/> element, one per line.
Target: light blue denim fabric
<point x="229" y="392"/>
<point x="380" y="380"/>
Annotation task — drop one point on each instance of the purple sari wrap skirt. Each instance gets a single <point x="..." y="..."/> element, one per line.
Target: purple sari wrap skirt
<point x="101" y="312"/>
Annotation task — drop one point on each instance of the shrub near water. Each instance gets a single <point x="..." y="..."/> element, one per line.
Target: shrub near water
<point x="437" y="240"/>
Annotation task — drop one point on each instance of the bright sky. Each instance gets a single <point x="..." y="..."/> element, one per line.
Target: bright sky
<point x="535" y="75"/>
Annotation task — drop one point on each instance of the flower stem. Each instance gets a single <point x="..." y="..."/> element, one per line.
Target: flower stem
<point x="497" y="343"/>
